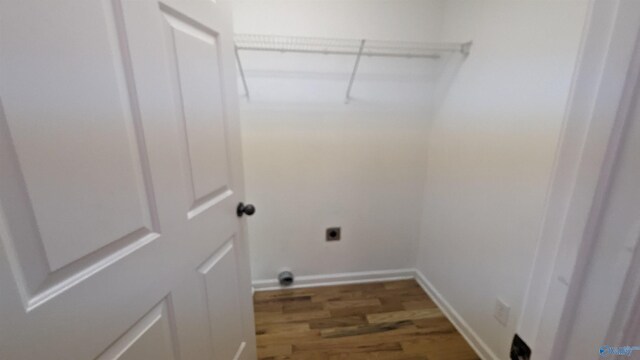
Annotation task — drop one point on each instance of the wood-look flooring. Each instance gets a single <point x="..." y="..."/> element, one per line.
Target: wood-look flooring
<point x="392" y="320"/>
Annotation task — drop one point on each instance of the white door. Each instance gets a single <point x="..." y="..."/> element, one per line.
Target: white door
<point x="120" y="173"/>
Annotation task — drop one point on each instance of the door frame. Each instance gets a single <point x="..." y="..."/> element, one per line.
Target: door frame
<point x="600" y="98"/>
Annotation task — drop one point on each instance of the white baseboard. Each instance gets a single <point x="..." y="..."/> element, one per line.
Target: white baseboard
<point x="463" y="328"/>
<point x="336" y="279"/>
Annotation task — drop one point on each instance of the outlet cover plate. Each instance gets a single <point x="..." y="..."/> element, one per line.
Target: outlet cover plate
<point x="333" y="234"/>
<point x="501" y="312"/>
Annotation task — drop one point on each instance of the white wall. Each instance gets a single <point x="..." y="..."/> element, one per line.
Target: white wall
<point x="490" y="154"/>
<point x="313" y="162"/>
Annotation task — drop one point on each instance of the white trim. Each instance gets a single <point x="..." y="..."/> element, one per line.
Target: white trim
<point x="586" y="248"/>
<point x="336" y="279"/>
<point x="589" y="135"/>
<point x="474" y="340"/>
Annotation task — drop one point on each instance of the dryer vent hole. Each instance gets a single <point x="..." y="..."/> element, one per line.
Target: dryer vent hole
<point x="285" y="278"/>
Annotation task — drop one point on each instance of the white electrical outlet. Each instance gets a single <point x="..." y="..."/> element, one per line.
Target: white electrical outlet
<point x="501" y="312"/>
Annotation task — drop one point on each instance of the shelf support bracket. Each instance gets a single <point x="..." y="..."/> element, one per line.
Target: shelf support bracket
<point x="241" y="70"/>
<point x="353" y="73"/>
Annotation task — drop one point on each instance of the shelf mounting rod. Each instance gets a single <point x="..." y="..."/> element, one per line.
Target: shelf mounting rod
<point x="241" y="70"/>
<point x="353" y="73"/>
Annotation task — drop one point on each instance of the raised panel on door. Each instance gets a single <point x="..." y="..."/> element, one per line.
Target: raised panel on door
<point x="151" y="337"/>
<point x="195" y="58"/>
<point x="78" y="194"/>
<point x="220" y="280"/>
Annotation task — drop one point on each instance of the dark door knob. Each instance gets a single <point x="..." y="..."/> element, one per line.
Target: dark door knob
<point x="245" y="209"/>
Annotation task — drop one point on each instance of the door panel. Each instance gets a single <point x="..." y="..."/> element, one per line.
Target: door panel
<point x="121" y="169"/>
<point x="221" y="283"/>
<point x="62" y="142"/>
<point x="194" y="51"/>
<point x="152" y="337"/>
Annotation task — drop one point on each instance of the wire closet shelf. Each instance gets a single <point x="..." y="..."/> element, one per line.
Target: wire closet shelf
<point x="352" y="47"/>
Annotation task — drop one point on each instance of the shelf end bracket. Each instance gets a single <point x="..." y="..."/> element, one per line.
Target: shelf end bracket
<point x="241" y="70"/>
<point x="353" y="73"/>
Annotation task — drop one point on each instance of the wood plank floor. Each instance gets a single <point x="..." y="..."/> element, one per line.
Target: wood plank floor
<point x="385" y="321"/>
